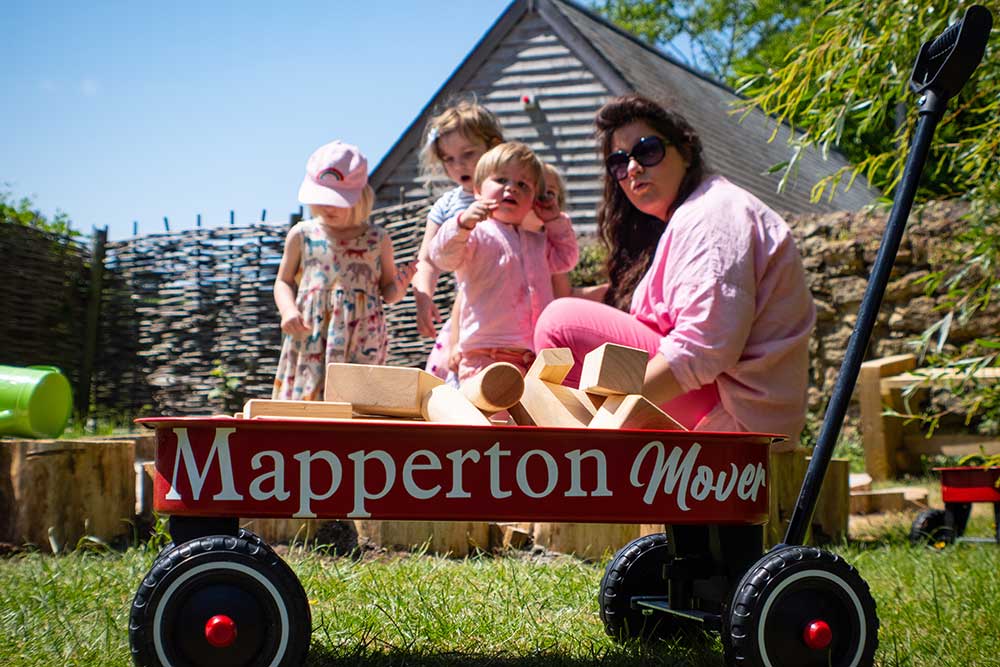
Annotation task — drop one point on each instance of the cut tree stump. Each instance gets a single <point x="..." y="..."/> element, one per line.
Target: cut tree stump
<point x="68" y="489"/>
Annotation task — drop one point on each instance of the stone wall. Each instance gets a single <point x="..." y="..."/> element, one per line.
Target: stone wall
<point x="838" y="252"/>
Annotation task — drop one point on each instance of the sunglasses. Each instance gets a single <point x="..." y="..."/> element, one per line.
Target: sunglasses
<point x="648" y="151"/>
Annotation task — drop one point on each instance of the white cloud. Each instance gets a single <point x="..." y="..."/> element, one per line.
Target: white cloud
<point x="89" y="87"/>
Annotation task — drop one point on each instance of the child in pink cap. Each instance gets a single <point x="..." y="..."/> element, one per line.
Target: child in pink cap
<point x="336" y="271"/>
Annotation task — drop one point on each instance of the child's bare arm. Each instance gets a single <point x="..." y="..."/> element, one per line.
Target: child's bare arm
<point x="394" y="279"/>
<point x="425" y="284"/>
<point x="285" y="287"/>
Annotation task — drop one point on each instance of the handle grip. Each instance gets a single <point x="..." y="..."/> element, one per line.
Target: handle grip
<point x="945" y="63"/>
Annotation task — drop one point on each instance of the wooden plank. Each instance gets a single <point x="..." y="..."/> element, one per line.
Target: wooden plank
<point x="940" y="376"/>
<point x="614" y="369"/>
<point x="447" y="405"/>
<point x="632" y="411"/>
<point x="881" y="436"/>
<point x="259" y="407"/>
<point x="495" y="388"/>
<point x="951" y="444"/>
<point x="380" y="390"/>
<point x="880" y="500"/>
<point x="833" y="506"/>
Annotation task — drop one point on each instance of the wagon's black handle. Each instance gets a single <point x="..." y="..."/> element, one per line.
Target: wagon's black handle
<point x="946" y="62"/>
<point x="942" y="68"/>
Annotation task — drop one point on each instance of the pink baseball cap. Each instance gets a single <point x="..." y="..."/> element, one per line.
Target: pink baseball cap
<point x="335" y="176"/>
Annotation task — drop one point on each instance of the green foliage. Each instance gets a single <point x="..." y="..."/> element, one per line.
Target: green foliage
<point x="228" y="389"/>
<point x="722" y="34"/>
<point x="590" y="269"/>
<point x="21" y="212"/>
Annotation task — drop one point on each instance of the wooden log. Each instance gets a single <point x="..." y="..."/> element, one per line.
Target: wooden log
<point x="448" y="405"/>
<point x="259" y="407"/>
<point x="547" y="404"/>
<point x="67" y="489"/>
<point x="495" y="388"/>
<point x="552" y="365"/>
<point x="586" y="540"/>
<point x="833" y="505"/>
<point x="632" y="411"/>
<point x="881" y="436"/>
<point x="787" y="469"/>
<point x="614" y="369"/>
<point x="380" y="390"/>
<point x="451" y="538"/>
<point x="284" y="530"/>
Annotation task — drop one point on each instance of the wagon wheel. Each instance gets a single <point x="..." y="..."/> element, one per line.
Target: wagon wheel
<point x="219" y="600"/>
<point x="244" y="534"/>
<point x="637" y="569"/>
<point x="930" y="527"/>
<point x="801" y="607"/>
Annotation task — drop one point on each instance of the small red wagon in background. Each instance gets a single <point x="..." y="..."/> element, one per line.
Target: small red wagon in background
<point x="960" y="487"/>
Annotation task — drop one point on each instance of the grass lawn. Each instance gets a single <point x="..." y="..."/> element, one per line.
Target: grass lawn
<point x="936" y="607"/>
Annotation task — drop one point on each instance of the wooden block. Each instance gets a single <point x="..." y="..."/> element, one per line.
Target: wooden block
<point x="258" y="407"/>
<point x="614" y="369"/>
<point x="829" y="520"/>
<point x="547" y="404"/>
<point x="586" y="540"/>
<point x="880" y="500"/>
<point x="453" y="538"/>
<point x="495" y="388"/>
<point x="552" y="364"/>
<point x="514" y="537"/>
<point x="380" y="390"/>
<point x="786" y="470"/>
<point x="448" y="405"/>
<point x="859" y="481"/>
<point x="633" y="411"/>
<point x="881" y="436"/>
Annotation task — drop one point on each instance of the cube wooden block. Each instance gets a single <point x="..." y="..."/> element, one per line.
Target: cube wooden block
<point x="614" y="369"/>
<point x="552" y="364"/>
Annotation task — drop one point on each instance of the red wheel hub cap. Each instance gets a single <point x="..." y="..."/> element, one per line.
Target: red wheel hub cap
<point x="817" y="635"/>
<point x="220" y="631"/>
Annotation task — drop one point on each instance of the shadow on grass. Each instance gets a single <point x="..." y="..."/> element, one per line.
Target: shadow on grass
<point x="689" y="650"/>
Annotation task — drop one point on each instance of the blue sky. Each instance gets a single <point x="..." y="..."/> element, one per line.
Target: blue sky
<point x="121" y="111"/>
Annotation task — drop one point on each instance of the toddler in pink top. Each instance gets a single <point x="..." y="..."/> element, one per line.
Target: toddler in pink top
<point x="503" y="271"/>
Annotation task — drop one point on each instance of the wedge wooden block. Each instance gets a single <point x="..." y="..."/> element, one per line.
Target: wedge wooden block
<point x="633" y="411"/>
<point x="547" y="404"/>
<point x="495" y="388"/>
<point x="552" y="364"/>
<point x="448" y="405"/>
<point x="257" y="407"/>
<point x="379" y="390"/>
<point x="614" y="369"/>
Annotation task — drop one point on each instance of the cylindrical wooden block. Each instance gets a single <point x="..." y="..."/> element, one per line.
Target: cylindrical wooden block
<point x="452" y="538"/>
<point x="68" y="489"/>
<point x="586" y="540"/>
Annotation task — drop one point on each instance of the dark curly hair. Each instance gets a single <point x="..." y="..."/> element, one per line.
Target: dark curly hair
<point x="629" y="235"/>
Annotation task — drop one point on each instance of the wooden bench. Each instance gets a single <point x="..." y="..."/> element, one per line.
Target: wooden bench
<point x="891" y="445"/>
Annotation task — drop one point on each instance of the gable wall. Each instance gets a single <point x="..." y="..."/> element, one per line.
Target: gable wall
<point x="531" y="60"/>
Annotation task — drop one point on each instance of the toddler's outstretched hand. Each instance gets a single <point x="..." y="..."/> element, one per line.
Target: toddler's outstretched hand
<point x="293" y="324"/>
<point x="478" y="211"/>
<point x="546" y="207"/>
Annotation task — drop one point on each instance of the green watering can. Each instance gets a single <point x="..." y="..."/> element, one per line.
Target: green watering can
<point x="35" y="402"/>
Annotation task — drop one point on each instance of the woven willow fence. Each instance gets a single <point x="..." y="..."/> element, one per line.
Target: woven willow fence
<point x="187" y="321"/>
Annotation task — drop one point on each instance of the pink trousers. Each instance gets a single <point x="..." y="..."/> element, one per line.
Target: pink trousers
<point x="582" y="325"/>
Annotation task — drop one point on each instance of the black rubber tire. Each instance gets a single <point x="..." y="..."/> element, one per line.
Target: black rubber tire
<point x="242" y="533"/>
<point x="930" y="527"/>
<point x="219" y="574"/>
<point x="786" y="590"/>
<point x="636" y="569"/>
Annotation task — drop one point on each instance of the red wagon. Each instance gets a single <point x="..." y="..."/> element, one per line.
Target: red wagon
<point x="960" y="487"/>
<point x="219" y="595"/>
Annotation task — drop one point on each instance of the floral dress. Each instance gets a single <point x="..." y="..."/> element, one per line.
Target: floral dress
<point x="340" y="300"/>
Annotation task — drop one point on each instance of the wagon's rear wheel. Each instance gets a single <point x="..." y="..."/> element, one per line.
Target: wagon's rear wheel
<point x="637" y="569"/>
<point x="220" y="600"/>
<point x="930" y="527"/>
<point x="801" y="607"/>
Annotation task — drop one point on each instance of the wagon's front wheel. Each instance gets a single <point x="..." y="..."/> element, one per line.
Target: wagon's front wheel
<point x="220" y="600"/>
<point x="801" y="607"/>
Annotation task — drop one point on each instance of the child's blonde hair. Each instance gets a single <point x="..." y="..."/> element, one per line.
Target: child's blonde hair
<point x="512" y="152"/>
<point x="473" y="120"/>
<point x="560" y="183"/>
<point x="361" y="209"/>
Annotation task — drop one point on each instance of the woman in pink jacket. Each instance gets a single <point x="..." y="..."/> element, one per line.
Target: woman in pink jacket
<point x="702" y="274"/>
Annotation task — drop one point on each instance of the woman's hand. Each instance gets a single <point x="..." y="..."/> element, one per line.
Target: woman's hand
<point x="293" y="324"/>
<point x="427" y="313"/>
<point x="478" y="211"/>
